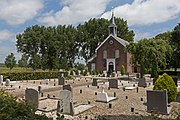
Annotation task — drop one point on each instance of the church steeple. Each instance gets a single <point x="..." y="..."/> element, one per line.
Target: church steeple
<point x="112" y="26"/>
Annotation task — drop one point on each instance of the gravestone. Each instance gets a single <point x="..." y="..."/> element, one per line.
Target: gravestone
<point x="61" y="80"/>
<point x="157" y="101"/>
<point x="113" y="83"/>
<point x="68" y="87"/>
<point x="65" y="103"/>
<point x="142" y="82"/>
<point x="94" y="82"/>
<point x="1" y="79"/>
<point x="175" y="79"/>
<point x="7" y="82"/>
<point x="103" y="96"/>
<point x="137" y="75"/>
<point x="32" y="97"/>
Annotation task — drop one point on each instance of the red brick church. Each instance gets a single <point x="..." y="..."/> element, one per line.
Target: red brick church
<point x="110" y="55"/>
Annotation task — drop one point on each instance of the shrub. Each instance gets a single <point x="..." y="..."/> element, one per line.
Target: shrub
<point x="122" y="70"/>
<point x="11" y="109"/>
<point x="82" y="72"/>
<point x="166" y="82"/>
<point x="71" y="72"/>
<point x="31" y="75"/>
<point x="85" y="72"/>
<point x="77" y="72"/>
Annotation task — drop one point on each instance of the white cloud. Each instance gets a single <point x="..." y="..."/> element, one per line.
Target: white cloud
<point x="75" y="11"/>
<point x="16" y="12"/>
<point x="6" y="35"/>
<point x="5" y="50"/>
<point x="144" y="12"/>
<point x="141" y="35"/>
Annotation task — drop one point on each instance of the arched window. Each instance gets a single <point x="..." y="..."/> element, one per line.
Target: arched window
<point x="117" y="54"/>
<point x="105" y="54"/>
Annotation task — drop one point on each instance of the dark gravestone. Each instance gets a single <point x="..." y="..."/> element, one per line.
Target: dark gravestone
<point x="142" y="82"/>
<point x="69" y="88"/>
<point x="61" y="80"/>
<point x="32" y="97"/>
<point x="94" y="82"/>
<point x="175" y="79"/>
<point x="157" y="101"/>
<point x="113" y="83"/>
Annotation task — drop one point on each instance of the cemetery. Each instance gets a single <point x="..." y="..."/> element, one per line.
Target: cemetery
<point x="121" y="78"/>
<point x="92" y="97"/>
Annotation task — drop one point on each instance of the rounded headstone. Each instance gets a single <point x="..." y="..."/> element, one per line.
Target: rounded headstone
<point x="7" y="82"/>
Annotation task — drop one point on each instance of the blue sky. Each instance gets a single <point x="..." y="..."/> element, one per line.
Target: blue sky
<point x="146" y="18"/>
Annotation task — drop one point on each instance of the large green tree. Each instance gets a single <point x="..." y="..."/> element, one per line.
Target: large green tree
<point x="10" y="61"/>
<point x="23" y="62"/>
<point x="175" y="42"/>
<point x="150" y="54"/>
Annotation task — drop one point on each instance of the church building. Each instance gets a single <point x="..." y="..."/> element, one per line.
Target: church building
<point x="110" y="55"/>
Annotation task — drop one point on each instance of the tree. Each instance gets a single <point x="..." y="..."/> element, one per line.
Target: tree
<point x="150" y="54"/>
<point x="23" y="62"/>
<point x="165" y="82"/>
<point x="10" y="61"/>
<point x="122" y="70"/>
<point x="175" y="42"/>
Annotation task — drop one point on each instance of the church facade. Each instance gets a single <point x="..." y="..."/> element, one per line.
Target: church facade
<point x="110" y="55"/>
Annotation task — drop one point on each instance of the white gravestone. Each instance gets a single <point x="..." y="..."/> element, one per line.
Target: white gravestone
<point x="66" y="102"/>
<point x="1" y="79"/>
<point x="103" y="96"/>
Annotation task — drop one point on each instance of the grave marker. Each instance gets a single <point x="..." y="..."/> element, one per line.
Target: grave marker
<point x="66" y="102"/>
<point x="32" y="97"/>
<point x="1" y="79"/>
<point x="157" y="101"/>
<point x="113" y="83"/>
<point x="94" y="82"/>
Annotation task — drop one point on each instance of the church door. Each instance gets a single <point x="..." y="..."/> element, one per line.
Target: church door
<point x="111" y="67"/>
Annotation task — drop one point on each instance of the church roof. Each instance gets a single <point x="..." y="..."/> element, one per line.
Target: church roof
<point x="121" y="41"/>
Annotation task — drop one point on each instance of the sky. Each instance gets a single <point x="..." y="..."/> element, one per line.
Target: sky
<point x="146" y="18"/>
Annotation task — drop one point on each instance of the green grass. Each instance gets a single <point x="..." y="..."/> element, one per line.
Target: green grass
<point x="16" y="69"/>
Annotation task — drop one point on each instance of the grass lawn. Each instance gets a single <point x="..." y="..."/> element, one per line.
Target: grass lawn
<point x="16" y="69"/>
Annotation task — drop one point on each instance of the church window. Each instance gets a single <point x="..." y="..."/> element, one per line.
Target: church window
<point x="105" y="54"/>
<point x="117" y="53"/>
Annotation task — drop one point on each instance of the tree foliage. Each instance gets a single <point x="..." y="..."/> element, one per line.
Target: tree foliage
<point x="10" y="61"/>
<point x="58" y="47"/>
<point x="23" y="62"/>
<point x="175" y="42"/>
<point x="122" y="70"/>
<point x="150" y="54"/>
<point x="165" y="82"/>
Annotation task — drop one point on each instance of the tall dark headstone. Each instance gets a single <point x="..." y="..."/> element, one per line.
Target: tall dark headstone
<point x="157" y="101"/>
<point x="142" y="82"/>
<point x="94" y="82"/>
<point x="61" y="80"/>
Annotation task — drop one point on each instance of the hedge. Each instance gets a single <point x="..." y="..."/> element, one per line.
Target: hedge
<point x="15" y="76"/>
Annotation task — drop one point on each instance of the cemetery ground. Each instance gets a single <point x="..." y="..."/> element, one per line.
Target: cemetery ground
<point x="130" y="104"/>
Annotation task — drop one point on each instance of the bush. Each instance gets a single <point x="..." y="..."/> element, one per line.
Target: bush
<point x="166" y="82"/>
<point x="11" y="109"/>
<point x="71" y="72"/>
<point x="85" y="72"/>
<point x="122" y="70"/>
<point x="77" y="72"/>
<point x="32" y="75"/>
